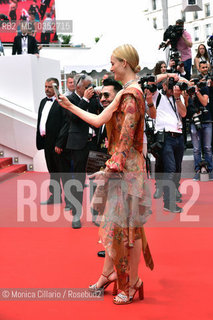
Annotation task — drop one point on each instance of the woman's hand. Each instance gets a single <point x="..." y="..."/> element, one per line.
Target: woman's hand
<point x="118" y="97"/>
<point x="64" y="102"/>
<point x="105" y="175"/>
<point x="96" y="175"/>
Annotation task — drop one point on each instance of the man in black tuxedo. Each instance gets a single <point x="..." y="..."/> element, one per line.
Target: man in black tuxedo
<point x="80" y="135"/>
<point x="24" y="43"/>
<point x="52" y="132"/>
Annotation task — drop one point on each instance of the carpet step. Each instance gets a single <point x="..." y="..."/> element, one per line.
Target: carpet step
<point x="11" y="171"/>
<point x="5" y="162"/>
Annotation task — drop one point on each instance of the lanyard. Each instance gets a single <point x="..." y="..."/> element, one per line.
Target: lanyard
<point x="174" y="107"/>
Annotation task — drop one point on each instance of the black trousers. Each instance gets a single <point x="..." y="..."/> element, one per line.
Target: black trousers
<point x="56" y="165"/>
<point x="45" y="37"/>
<point x="75" y="178"/>
<point x="172" y="154"/>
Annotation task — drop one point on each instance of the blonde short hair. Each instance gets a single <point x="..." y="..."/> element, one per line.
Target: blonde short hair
<point x="129" y="53"/>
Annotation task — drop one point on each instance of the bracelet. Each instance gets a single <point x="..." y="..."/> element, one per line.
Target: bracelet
<point x="150" y="104"/>
<point x="177" y="99"/>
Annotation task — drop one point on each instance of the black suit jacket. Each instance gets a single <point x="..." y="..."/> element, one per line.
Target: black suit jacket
<point x="17" y="45"/>
<point x="102" y="135"/>
<point x="57" y="127"/>
<point x="79" y="129"/>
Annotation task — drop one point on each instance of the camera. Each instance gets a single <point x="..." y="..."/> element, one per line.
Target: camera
<point x="156" y="147"/>
<point x="144" y="83"/>
<point x="154" y="141"/>
<point x="191" y="91"/>
<point x="175" y="56"/>
<point x="196" y="121"/>
<point x="149" y="129"/>
<point x="210" y="42"/>
<point x="94" y="94"/>
<point x="182" y="85"/>
<point x="210" y="49"/>
<point x="198" y="83"/>
<point x="197" y="108"/>
<point x="90" y="85"/>
<point x="56" y="91"/>
<point x="171" y="83"/>
<point x="95" y="100"/>
<point x="171" y="36"/>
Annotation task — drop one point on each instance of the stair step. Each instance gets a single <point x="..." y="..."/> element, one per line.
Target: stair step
<point x="5" y="162"/>
<point x="11" y="171"/>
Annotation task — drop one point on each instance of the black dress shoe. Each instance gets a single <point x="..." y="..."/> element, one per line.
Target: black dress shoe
<point x="68" y="207"/>
<point x="174" y="209"/>
<point x="158" y="193"/>
<point x="51" y="200"/>
<point x="101" y="254"/>
<point x="76" y="224"/>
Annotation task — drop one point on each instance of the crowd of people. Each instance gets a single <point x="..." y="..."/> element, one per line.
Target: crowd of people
<point x="37" y="9"/>
<point x="111" y="119"/>
<point x="38" y="18"/>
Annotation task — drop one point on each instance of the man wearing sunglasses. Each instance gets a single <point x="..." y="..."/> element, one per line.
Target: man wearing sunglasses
<point x="109" y="90"/>
<point x="108" y="93"/>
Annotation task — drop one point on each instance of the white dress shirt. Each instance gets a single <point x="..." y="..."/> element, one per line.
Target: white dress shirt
<point x="166" y="118"/>
<point x="24" y="44"/>
<point x="91" y="131"/>
<point x="44" y="116"/>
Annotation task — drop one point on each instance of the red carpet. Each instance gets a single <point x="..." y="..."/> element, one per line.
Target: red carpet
<point x="180" y="287"/>
<point x="8" y="170"/>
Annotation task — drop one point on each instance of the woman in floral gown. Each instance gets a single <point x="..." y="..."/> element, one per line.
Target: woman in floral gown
<point x="122" y="197"/>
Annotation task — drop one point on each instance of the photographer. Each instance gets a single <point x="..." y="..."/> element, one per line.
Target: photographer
<point x="180" y="42"/>
<point x="203" y="70"/>
<point x="176" y="65"/>
<point x="177" y="77"/>
<point x="148" y="86"/>
<point x="148" y="137"/>
<point x="198" y="112"/>
<point x="168" y="127"/>
<point x="184" y="45"/>
<point x="211" y="101"/>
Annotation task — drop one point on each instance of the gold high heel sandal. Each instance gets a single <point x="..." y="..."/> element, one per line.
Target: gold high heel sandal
<point x="93" y="288"/>
<point x="125" y="300"/>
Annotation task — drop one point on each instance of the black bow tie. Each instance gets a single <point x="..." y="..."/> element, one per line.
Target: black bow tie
<point x="49" y="99"/>
<point x="24" y="36"/>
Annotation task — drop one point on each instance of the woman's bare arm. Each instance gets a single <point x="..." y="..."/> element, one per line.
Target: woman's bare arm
<point x="93" y="119"/>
